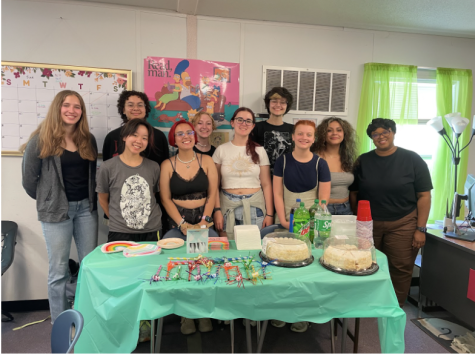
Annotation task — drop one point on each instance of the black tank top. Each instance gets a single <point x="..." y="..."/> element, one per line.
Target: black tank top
<point x="193" y="189"/>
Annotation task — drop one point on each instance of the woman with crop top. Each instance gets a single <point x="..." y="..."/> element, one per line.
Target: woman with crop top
<point x="244" y="173"/>
<point x="204" y="125"/>
<point x="188" y="183"/>
<point x="336" y="144"/>
<point x="59" y="172"/>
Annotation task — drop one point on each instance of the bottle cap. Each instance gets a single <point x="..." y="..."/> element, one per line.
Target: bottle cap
<point x="298" y="200"/>
<point x="316" y="200"/>
<point x="324" y="202"/>
<point x="364" y="211"/>
<point x="302" y="204"/>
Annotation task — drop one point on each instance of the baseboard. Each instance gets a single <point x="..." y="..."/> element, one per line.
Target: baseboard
<point x="25" y="306"/>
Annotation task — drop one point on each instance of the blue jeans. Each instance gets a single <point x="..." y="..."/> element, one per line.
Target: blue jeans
<point x="340" y="208"/>
<point x="82" y="225"/>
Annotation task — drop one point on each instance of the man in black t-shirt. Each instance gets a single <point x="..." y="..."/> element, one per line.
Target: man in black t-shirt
<point x="275" y="135"/>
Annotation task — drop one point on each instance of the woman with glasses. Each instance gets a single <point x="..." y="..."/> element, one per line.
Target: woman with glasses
<point x="397" y="184"/>
<point x="59" y="172"/>
<point x="127" y="185"/>
<point x="243" y="169"/>
<point x="204" y="125"/>
<point x="188" y="189"/>
<point x="275" y="135"/>
<point x="336" y="144"/>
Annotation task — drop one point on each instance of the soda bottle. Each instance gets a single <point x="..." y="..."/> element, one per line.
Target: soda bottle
<point x="302" y="221"/>
<point x="314" y="210"/>
<point x="324" y="226"/>
<point x="292" y="211"/>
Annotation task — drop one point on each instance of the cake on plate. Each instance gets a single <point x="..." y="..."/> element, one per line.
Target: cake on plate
<point x="347" y="257"/>
<point x="286" y="249"/>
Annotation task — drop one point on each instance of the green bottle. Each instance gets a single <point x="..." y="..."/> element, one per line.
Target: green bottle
<point x="302" y="221"/>
<point x="312" y="211"/>
<point x="324" y="226"/>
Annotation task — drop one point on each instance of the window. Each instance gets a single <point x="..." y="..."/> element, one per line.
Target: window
<point x="421" y="138"/>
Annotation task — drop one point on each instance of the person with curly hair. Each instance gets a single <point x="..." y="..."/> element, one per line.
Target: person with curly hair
<point x="397" y="184"/>
<point x="336" y="143"/>
<point x="204" y="126"/>
<point x="275" y="135"/>
<point x="59" y="172"/>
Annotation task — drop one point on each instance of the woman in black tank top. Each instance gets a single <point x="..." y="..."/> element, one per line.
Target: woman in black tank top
<point x="188" y="182"/>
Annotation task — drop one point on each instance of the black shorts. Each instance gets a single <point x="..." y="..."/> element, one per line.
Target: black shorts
<point x="191" y="215"/>
<point x="130" y="237"/>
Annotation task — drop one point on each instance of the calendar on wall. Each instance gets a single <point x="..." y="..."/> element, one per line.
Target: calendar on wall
<point x="28" y="90"/>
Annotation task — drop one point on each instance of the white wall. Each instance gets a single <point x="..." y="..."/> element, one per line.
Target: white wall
<point x="119" y="37"/>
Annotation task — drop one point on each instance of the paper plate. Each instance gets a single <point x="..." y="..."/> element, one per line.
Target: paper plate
<point x="171" y="243"/>
<point x="141" y="250"/>
<point x="115" y="247"/>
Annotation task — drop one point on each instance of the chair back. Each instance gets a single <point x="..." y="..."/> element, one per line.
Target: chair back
<point x="9" y="232"/>
<point x="270" y="229"/>
<point x="62" y="339"/>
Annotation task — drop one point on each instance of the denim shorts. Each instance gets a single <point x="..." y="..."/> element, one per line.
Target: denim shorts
<point x="191" y="215"/>
<point x="257" y="215"/>
<point x="340" y="208"/>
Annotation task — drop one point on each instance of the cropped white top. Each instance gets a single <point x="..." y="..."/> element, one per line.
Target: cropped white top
<point x="237" y="169"/>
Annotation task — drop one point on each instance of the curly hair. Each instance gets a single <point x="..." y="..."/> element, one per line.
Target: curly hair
<point x="347" y="151"/>
<point x="376" y="123"/>
<point x="250" y="144"/>
<point x="194" y="121"/>
<point x="124" y="96"/>
<point x="51" y="133"/>
<point x="281" y="91"/>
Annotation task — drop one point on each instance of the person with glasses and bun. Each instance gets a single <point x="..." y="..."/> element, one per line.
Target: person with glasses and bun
<point x="397" y="183"/>
<point x="244" y="175"/>
<point x="188" y="189"/>
<point x="275" y="135"/>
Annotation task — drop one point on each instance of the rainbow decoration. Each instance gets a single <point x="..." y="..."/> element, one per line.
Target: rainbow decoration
<point x="141" y="250"/>
<point x="115" y="247"/>
<point x="218" y="243"/>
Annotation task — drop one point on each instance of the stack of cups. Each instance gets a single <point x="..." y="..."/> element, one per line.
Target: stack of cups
<point x="364" y="225"/>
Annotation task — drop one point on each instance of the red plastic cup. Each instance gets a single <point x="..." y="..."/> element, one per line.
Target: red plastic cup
<point x="364" y="211"/>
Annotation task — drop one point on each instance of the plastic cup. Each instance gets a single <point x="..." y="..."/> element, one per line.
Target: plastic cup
<point x="364" y="211"/>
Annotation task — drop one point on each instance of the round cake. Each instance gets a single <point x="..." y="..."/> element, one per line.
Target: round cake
<point x="347" y="257"/>
<point x="286" y="249"/>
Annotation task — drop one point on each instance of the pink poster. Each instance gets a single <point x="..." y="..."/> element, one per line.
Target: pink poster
<point x="180" y="88"/>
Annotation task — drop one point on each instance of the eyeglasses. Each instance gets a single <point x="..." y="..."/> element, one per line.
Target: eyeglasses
<point x="275" y="102"/>
<point x="182" y="134"/>
<point x="139" y="105"/>
<point x="241" y="120"/>
<point x="383" y="133"/>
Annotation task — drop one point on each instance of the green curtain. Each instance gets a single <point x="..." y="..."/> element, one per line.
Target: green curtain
<point x="389" y="91"/>
<point x="454" y="94"/>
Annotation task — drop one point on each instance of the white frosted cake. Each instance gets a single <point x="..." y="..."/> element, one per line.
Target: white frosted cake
<point x="347" y="257"/>
<point x="286" y="249"/>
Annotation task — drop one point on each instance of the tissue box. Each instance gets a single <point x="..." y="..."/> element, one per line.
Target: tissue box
<point x="218" y="243"/>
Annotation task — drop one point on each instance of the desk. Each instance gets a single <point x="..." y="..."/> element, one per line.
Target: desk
<point x="113" y="299"/>
<point x="446" y="263"/>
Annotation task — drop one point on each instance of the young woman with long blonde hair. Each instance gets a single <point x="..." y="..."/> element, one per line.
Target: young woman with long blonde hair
<point x="59" y="172"/>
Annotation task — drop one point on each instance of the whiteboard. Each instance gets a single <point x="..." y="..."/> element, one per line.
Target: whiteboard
<point x="28" y="90"/>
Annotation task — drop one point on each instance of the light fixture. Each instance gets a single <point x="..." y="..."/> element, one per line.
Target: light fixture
<point x="437" y="124"/>
<point x="459" y="124"/>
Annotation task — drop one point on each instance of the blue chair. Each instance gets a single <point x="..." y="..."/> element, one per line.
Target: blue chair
<point x="62" y="338"/>
<point x="9" y="233"/>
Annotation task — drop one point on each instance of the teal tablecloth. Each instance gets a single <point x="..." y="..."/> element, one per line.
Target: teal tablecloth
<point x="113" y="299"/>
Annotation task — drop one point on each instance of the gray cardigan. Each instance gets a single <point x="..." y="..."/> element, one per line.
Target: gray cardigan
<point x="43" y="181"/>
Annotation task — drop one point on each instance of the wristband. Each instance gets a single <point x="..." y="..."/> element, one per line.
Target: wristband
<point x="181" y="222"/>
<point x="216" y="209"/>
<point x="268" y="215"/>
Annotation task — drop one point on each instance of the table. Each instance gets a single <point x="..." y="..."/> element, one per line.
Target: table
<point x="113" y="298"/>
<point x="446" y="263"/>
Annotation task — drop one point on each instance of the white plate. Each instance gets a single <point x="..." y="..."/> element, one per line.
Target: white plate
<point x="171" y="243"/>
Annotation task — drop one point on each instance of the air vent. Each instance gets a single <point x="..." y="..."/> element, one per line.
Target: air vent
<point x="314" y="90"/>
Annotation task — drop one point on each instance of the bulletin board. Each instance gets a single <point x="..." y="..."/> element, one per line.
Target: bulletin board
<point x="28" y="90"/>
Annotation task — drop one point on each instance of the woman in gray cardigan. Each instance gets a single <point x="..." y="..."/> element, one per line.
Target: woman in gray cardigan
<point x="59" y="172"/>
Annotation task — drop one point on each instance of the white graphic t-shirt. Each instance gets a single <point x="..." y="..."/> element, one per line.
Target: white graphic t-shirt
<point x="237" y="168"/>
<point x="132" y="204"/>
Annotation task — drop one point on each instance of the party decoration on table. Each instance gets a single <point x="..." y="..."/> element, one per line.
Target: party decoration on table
<point x="197" y="240"/>
<point x="177" y="275"/>
<point x="232" y="278"/>
<point x="264" y="265"/>
<point x="118" y="246"/>
<point x="256" y="276"/>
<point x="171" y="265"/>
<point x="198" y="276"/>
<point x="215" y="276"/>
<point x="218" y="243"/>
<point x="171" y="243"/>
<point x="157" y="276"/>
<point x="141" y="250"/>
<point x="184" y="259"/>
<point x="191" y="266"/>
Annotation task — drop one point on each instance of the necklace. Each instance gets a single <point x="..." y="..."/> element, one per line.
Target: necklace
<point x="202" y="145"/>
<point x="187" y="162"/>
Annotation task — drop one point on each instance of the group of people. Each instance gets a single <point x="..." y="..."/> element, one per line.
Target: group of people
<point x="253" y="179"/>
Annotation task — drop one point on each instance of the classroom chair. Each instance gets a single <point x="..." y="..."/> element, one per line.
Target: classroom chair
<point x="63" y="337"/>
<point x="9" y="233"/>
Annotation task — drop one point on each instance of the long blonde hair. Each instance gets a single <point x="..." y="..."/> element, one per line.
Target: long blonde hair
<point x="51" y="133"/>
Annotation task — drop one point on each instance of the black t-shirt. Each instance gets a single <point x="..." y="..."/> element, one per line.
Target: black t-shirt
<point x="210" y="152"/>
<point x="276" y="140"/>
<point x="111" y="146"/>
<point x="391" y="183"/>
<point x="75" y="171"/>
